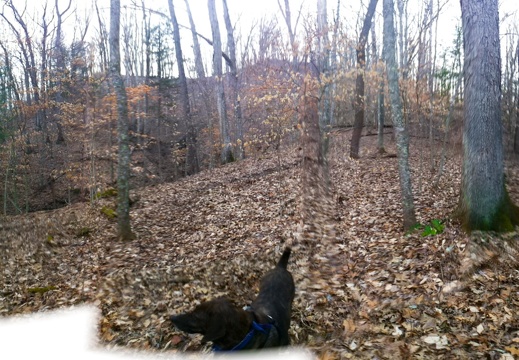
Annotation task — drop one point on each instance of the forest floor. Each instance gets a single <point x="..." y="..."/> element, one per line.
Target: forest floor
<point x="217" y="232"/>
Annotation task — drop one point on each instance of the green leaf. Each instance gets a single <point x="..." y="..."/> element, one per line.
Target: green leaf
<point x="428" y="230"/>
<point x="437" y="224"/>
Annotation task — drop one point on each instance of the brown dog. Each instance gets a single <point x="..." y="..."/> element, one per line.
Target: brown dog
<point x="265" y="324"/>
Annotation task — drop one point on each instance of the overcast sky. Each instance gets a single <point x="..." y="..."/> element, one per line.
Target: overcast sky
<point x="245" y="12"/>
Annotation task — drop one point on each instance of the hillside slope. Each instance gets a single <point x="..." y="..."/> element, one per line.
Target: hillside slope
<point x="217" y="232"/>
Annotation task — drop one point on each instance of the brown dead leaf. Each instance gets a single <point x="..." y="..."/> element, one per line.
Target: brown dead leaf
<point x="349" y="327"/>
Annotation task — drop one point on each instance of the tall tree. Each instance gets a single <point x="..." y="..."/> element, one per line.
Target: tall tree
<point x="403" y="38"/>
<point x="226" y="153"/>
<point x="484" y="201"/>
<point x="402" y="136"/>
<point x="29" y="61"/>
<point x="199" y="65"/>
<point x="204" y="92"/>
<point x="231" y="46"/>
<point x="191" y="159"/>
<point x="358" y="123"/>
<point x="123" y="168"/>
<point x="323" y="50"/>
<point x="60" y="54"/>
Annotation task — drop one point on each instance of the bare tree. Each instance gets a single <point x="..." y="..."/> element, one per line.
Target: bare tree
<point x="238" y="118"/>
<point x="29" y="60"/>
<point x="59" y="70"/>
<point x="515" y="60"/>
<point x="191" y="160"/>
<point x="292" y="31"/>
<point x="323" y="61"/>
<point x="380" y="112"/>
<point x="359" y="83"/>
<point x="123" y="169"/>
<point x="199" y="65"/>
<point x="402" y="137"/>
<point x="226" y="153"/>
<point x="102" y="41"/>
<point x="455" y="88"/>
<point x="403" y="41"/>
<point x="201" y="80"/>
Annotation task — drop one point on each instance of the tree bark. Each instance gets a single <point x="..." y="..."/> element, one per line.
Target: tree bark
<point x="202" y="81"/>
<point x="484" y="201"/>
<point x="60" y="68"/>
<point x="226" y="154"/>
<point x="402" y="37"/>
<point x="123" y="168"/>
<point x="323" y="51"/>
<point x="358" y="124"/>
<point x="191" y="158"/>
<point x="381" y="111"/>
<point x="238" y="118"/>
<point x="402" y="137"/>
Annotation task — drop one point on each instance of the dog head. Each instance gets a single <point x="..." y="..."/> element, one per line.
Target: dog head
<point x="217" y="320"/>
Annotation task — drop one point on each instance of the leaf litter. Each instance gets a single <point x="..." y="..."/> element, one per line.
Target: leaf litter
<point x="217" y="232"/>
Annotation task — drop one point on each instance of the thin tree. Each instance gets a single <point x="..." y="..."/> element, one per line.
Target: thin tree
<point x="516" y="130"/>
<point x="199" y="65"/>
<point x="238" y="118"/>
<point x="455" y="85"/>
<point x="484" y="201"/>
<point x="287" y="16"/>
<point x="191" y="158"/>
<point x="358" y="123"/>
<point x="29" y="61"/>
<point x="123" y="168"/>
<point x="202" y="81"/>
<point x="380" y="109"/>
<point x="402" y="136"/>
<point x="403" y="37"/>
<point x="323" y="50"/>
<point x="59" y="57"/>
<point x="226" y="152"/>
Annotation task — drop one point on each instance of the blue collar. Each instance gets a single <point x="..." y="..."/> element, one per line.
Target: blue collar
<point x="262" y="328"/>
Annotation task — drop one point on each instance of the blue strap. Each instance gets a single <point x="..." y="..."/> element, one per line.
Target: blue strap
<point x="262" y="328"/>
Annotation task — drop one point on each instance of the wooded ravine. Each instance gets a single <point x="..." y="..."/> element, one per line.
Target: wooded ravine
<point x="215" y="233"/>
<point x="148" y="166"/>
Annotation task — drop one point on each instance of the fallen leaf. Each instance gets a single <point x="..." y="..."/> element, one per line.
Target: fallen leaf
<point x="440" y="342"/>
<point x="512" y="350"/>
<point x="349" y="327"/>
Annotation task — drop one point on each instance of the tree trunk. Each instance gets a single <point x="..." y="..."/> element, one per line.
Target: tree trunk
<point x="60" y="69"/>
<point x="484" y="201"/>
<point x="191" y="158"/>
<point x="455" y="89"/>
<point x="402" y="37"/>
<point x="323" y="51"/>
<point x="402" y="137"/>
<point x="200" y="73"/>
<point x="358" y="124"/>
<point x="102" y="41"/>
<point x="123" y="169"/>
<point x="226" y="152"/>
<point x="238" y="118"/>
<point x="381" y="111"/>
